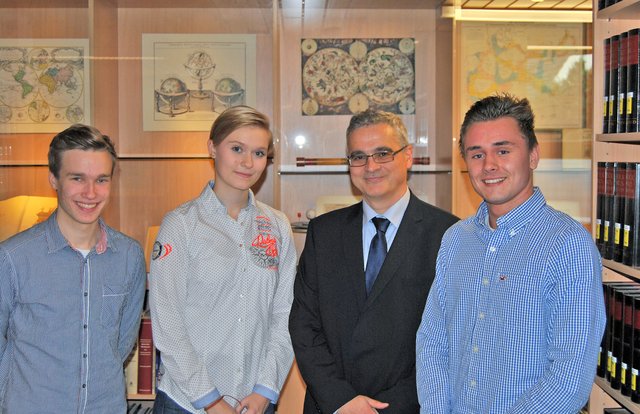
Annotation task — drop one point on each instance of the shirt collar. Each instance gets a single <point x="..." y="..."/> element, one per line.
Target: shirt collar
<point x="209" y="197"/>
<point x="394" y="213"/>
<point x="56" y="240"/>
<point x="517" y="218"/>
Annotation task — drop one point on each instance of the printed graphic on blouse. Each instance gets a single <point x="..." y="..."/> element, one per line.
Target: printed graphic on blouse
<point x="264" y="247"/>
<point x="160" y="250"/>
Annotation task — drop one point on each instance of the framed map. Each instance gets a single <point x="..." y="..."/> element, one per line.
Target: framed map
<point x="189" y="79"/>
<point x="44" y="84"/>
<point x="347" y="76"/>
<point x="548" y="63"/>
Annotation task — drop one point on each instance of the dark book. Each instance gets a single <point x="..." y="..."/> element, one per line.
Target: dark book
<point x="621" y="109"/>
<point x="145" y="357"/>
<point x="632" y="80"/>
<point x="617" y="340"/>
<point x="631" y="230"/>
<point x="626" y="357"/>
<point x="608" y="3"/>
<point x="609" y="209"/>
<point x="600" y="201"/>
<point x="618" y="213"/>
<point x="614" y="56"/>
<point x="635" y="362"/>
<point x="607" y="80"/>
<point x="601" y="370"/>
<point x="613" y="324"/>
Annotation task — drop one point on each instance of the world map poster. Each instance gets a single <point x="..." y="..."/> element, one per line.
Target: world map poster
<point x="548" y="63"/>
<point x="44" y="84"/>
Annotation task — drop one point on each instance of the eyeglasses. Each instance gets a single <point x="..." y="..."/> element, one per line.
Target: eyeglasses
<point x="359" y="159"/>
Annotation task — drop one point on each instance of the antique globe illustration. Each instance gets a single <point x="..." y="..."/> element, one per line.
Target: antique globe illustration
<point x="172" y="97"/>
<point x="200" y="67"/>
<point x="228" y="92"/>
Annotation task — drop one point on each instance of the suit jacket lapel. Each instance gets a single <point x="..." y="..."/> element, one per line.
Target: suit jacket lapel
<point x="401" y="249"/>
<point x="352" y="247"/>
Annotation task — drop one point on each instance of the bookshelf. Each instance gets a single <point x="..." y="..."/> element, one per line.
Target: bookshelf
<point x="622" y="147"/>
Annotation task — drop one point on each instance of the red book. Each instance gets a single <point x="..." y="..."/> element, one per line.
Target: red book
<point x="145" y="358"/>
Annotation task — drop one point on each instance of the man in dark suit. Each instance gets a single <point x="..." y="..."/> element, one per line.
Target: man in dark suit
<point x="353" y="327"/>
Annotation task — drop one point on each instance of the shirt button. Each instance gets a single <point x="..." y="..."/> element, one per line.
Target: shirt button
<point x="481" y="315"/>
<point x="492" y="249"/>
<point x="241" y="296"/>
<point x="84" y="385"/>
<point x="86" y="294"/>
<point x="485" y="281"/>
<point x="475" y="349"/>
<point x="239" y="319"/>
<point x="85" y="326"/>
<point x="472" y="383"/>
<point x="84" y="355"/>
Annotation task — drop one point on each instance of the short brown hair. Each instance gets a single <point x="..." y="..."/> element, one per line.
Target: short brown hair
<point x="237" y="117"/>
<point x="82" y="137"/>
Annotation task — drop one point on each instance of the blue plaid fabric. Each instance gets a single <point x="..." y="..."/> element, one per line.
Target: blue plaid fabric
<point x="515" y="316"/>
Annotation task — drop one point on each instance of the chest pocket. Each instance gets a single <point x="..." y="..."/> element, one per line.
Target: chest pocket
<point x="113" y="300"/>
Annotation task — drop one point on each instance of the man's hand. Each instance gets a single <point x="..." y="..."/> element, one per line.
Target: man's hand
<point x="220" y="407"/>
<point x="253" y="404"/>
<point x="362" y="405"/>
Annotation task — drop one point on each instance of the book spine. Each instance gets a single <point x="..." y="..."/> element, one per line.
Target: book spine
<point x="629" y="227"/>
<point x="632" y="81"/>
<point x="627" y="345"/>
<point x="621" y="110"/>
<point x="600" y="201"/>
<point x="635" y="361"/>
<point x="613" y="82"/>
<point x="145" y="357"/>
<point x="601" y="369"/>
<point x="618" y="214"/>
<point x="609" y="210"/>
<point x="607" y="80"/>
<point x="616" y="340"/>
<point x="634" y="232"/>
<point x="131" y="372"/>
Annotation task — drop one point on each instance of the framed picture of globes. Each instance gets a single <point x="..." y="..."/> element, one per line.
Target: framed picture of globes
<point x="189" y="79"/>
<point x="347" y="76"/>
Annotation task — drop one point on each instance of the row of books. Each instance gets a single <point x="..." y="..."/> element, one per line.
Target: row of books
<point x="618" y="212"/>
<point x="621" y="82"/>
<point x="619" y="359"/>
<point x="603" y="4"/>
<point x="140" y="367"/>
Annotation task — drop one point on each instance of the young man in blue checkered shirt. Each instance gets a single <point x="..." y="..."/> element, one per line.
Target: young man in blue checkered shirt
<point x="515" y="315"/>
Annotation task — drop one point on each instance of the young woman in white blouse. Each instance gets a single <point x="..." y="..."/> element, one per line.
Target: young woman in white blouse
<point x="221" y="284"/>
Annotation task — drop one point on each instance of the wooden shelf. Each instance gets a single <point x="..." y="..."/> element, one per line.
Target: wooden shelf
<point x="145" y="397"/>
<point x="631" y="272"/>
<point x="616" y="395"/>
<point x="630" y="137"/>
<point x="625" y="10"/>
